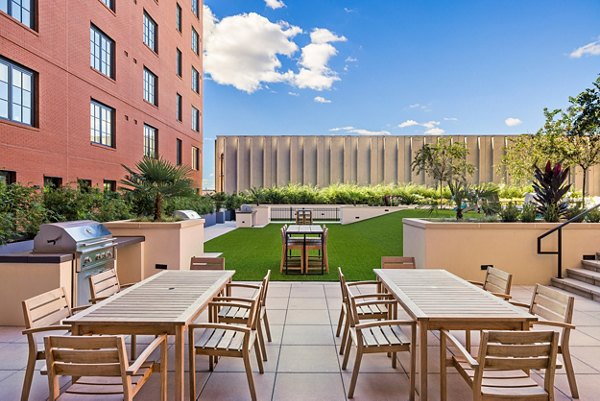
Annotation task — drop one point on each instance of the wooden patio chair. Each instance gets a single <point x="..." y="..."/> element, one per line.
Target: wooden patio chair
<point x="104" y="285"/>
<point x="318" y="244"/>
<point x="398" y="262"/>
<point x="384" y="336"/>
<point x="227" y="340"/>
<point x="366" y="312"/>
<point x="556" y="310"/>
<point x="100" y="367"/>
<point x="293" y="262"/>
<point x="500" y="372"/>
<point x="207" y="263"/>
<point x="236" y="315"/>
<point x="43" y="313"/>
<point x="497" y="282"/>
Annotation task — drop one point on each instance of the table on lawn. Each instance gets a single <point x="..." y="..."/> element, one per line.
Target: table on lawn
<point x="439" y="300"/>
<point x="304" y="230"/>
<point x="164" y="303"/>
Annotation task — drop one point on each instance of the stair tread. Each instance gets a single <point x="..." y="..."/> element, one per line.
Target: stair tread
<point x="593" y="263"/>
<point x="585" y="272"/>
<point x="578" y="284"/>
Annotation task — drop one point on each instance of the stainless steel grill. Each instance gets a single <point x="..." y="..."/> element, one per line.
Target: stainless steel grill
<point x="92" y="246"/>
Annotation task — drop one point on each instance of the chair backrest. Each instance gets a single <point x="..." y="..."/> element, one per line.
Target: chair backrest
<point x="551" y="304"/>
<point x="353" y="319"/>
<point x="94" y="356"/>
<point x="265" y="283"/>
<point x="104" y="284"/>
<point x="497" y="281"/>
<point x="342" y="284"/>
<point x="46" y="309"/>
<point x="207" y="263"/>
<point x="255" y="302"/>
<point x="398" y="262"/>
<point x="518" y="350"/>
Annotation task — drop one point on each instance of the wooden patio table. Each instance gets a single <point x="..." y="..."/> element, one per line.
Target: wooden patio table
<point x="439" y="300"/>
<point x="164" y="303"/>
<point x="304" y="230"/>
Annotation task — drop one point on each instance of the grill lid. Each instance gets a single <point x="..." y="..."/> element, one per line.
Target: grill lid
<point x="69" y="236"/>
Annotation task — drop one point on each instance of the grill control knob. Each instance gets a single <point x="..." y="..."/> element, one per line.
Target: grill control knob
<point x="109" y="254"/>
<point x="87" y="259"/>
<point x="97" y="257"/>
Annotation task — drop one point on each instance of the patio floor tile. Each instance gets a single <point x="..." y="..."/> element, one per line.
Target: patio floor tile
<point x="309" y="387"/>
<point x="234" y="387"/>
<point x="307" y="316"/>
<point x="308" y="359"/>
<point x="307" y="335"/>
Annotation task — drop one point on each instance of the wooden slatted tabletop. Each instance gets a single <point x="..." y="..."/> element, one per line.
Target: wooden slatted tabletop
<point x="440" y="300"/>
<point x="164" y="303"/>
<point x="304" y="229"/>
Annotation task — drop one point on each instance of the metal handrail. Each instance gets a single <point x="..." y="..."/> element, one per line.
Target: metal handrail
<point x="559" y="228"/>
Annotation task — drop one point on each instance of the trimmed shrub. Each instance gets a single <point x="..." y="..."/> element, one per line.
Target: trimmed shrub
<point x="528" y="213"/>
<point x="509" y="213"/>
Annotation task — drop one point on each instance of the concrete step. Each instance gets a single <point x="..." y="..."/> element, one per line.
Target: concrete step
<point x="593" y="265"/>
<point x="585" y="275"/>
<point x="578" y="287"/>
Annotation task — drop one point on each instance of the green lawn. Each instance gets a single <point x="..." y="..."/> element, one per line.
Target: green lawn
<point x="356" y="247"/>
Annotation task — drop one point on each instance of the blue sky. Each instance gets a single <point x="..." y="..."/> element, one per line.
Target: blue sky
<point x="397" y="67"/>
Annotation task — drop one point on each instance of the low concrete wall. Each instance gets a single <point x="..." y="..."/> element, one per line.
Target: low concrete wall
<point x="462" y="248"/>
<point x="168" y="244"/>
<point x="21" y="281"/>
<point x="262" y="216"/>
<point x="353" y="214"/>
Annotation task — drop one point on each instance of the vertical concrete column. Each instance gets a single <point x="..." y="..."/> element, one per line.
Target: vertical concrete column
<point x="296" y="155"/>
<point x="472" y="143"/>
<point x="230" y="165"/>
<point x="363" y="161"/>
<point x="336" y="157"/>
<point x="257" y="162"/>
<point x="323" y="160"/>
<point x="416" y="144"/>
<point x="350" y="164"/>
<point x="310" y="160"/>
<point x="390" y="159"/>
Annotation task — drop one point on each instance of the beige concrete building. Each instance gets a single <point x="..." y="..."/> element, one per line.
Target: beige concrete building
<point x="243" y="162"/>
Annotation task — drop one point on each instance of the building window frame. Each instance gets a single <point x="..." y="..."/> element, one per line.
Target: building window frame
<point x="178" y="18"/>
<point x="104" y="63"/>
<point x="179" y="63"/>
<point x="196" y="8"/>
<point x="195" y="41"/>
<point x="195" y="158"/>
<point x="10" y="7"/>
<point x="195" y="80"/>
<point x="109" y="185"/>
<point x="110" y="4"/>
<point x="150" y="87"/>
<point x="8" y="177"/>
<point x="150" y="32"/>
<point x="179" y="107"/>
<point x="13" y="87"/>
<point x="150" y="141"/>
<point x="179" y="152"/>
<point x="102" y="126"/>
<point x="195" y="119"/>
<point x="52" y="182"/>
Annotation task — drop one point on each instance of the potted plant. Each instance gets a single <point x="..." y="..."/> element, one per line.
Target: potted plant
<point x="232" y="202"/>
<point x="550" y="188"/>
<point x="219" y="198"/>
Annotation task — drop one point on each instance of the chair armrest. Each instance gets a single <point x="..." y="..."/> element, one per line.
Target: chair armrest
<point x="231" y="299"/>
<point x="80" y="308"/>
<point x="479" y="283"/>
<point x="143" y="357"/>
<point x="57" y="327"/>
<point x="241" y="285"/>
<point x="460" y="348"/>
<point x="373" y="295"/>
<point x="376" y="302"/>
<point x="98" y="299"/>
<point x="222" y="326"/>
<point x="126" y="285"/>
<point x="553" y="324"/>
<point x="506" y="297"/>
<point x="354" y="283"/>
<point x="361" y="326"/>
<point x="521" y="304"/>
<point x="232" y="304"/>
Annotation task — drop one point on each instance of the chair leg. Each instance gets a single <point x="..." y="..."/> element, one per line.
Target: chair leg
<point x="261" y="341"/>
<point x="164" y="358"/>
<point x="28" y="376"/>
<point x="133" y="347"/>
<point x="570" y="372"/>
<point x="340" y="323"/>
<point x="413" y="363"/>
<point x="394" y="361"/>
<point x="357" y="362"/>
<point x="192" y="364"/>
<point x="443" y="378"/>
<point x="261" y="367"/>
<point x="347" y="354"/>
<point x="345" y="337"/>
<point x="267" y="327"/>
<point x="468" y="340"/>
<point x="248" y="367"/>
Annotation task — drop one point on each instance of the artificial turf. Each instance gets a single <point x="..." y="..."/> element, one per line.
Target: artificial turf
<point x="356" y="247"/>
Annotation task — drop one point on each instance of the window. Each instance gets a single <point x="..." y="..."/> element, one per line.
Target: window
<point x="179" y="106"/>
<point x="52" y="182"/>
<point x="179" y="155"/>
<point x="150" y="87"/>
<point x="16" y="92"/>
<point x="150" y="33"/>
<point x="150" y="141"/>
<point x="101" y="124"/>
<point x="21" y="10"/>
<point x="108" y="3"/>
<point x="8" y="177"/>
<point x="110" y="185"/>
<point x="195" y="41"/>
<point x="178" y="66"/>
<point x="195" y="158"/>
<point x="101" y="52"/>
<point x="195" y="8"/>
<point x="195" y="80"/>
<point x="178" y="16"/>
<point x="84" y="184"/>
<point x="195" y="119"/>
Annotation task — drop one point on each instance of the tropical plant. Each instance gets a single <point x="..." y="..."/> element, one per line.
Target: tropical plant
<point x="528" y="213"/>
<point x="509" y="213"/>
<point x="593" y="216"/>
<point x="233" y="202"/>
<point x="200" y="204"/>
<point x="550" y="189"/>
<point x="219" y="199"/>
<point x="573" y="212"/>
<point x="156" y="180"/>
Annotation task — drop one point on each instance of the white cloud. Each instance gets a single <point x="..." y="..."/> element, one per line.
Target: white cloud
<point x="435" y="131"/>
<point x="431" y="124"/>
<point x="512" y="122"/>
<point x="293" y="94"/>
<point x="450" y="119"/>
<point x="274" y="4"/>
<point x="244" y="51"/>
<point x="351" y="60"/>
<point x="358" y="131"/>
<point x="591" y="49"/>
<point x="321" y="99"/>
<point x="408" y="123"/>
<point x="349" y="10"/>
<point x="414" y="106"/>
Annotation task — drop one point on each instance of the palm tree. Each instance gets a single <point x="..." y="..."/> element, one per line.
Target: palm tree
<point x="158" y="179"/>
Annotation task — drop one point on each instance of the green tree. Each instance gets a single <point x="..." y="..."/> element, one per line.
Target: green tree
<point x="157" y="179"/>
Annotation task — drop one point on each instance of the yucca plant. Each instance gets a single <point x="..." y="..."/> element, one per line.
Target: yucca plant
<point x="157" y="180"/>
<point x="550" y="189"/>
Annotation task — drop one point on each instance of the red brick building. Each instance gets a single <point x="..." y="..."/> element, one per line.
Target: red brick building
<point x="86" y="86"/>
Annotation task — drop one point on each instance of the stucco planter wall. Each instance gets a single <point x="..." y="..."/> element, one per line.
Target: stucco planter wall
<point x="462" y="248"/>
<point x="167" y="245"/>
<point x="353" y="214"/>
